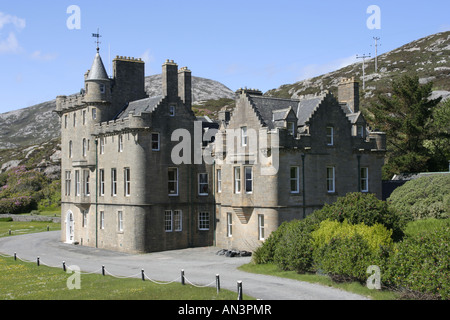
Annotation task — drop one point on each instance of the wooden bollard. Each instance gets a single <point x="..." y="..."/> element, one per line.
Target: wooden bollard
<point x="182" y="277"/>
<point x="142" y="275"/>
<point x="37" y="261"/>
<point x="239" y="288"/>
<point x="218" y="283"/>
<point x="103" y="270"/>
<point x="64" y="266"/>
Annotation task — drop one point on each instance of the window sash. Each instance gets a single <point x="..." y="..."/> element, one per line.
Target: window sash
<point x="102" y="182"/>
<point x="219" y="180"/>
<point x="364" y="180"/>
<point x="248" y="180"/>
<point x="330" y="136"/>
<point x="203" y="220"/>
<point x="237" y="180"/>
<point x="173" y="181"/>
<point x="127" y="181"/>
<point x="244" y="136"/>
<point x="77" y="183"/>
<point x="261" y="227"/>
<point x="102" y="219"/>
<point x="113" y="182"/>
<point x="168" y="221"/>
<point x="203" y="184"/>
<point x="178" y="220"/>
<point x="229" y="225"/>
<point x="331" y="182"/>
<point x="120" y="221"/>
<point x="155" y="142"/>
<point x="68" y="182"/>
<point x="295" y="179"/>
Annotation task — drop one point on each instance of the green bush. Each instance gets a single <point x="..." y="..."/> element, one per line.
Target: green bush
<point x="421" y="263"/>
<point x="364" y="208"/>
<point x="425" y="197"/>
<point x="294" y="250"/>
<point x="266" y="252"/>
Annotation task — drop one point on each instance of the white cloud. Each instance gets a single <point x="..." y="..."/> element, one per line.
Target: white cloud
<point x="11" y="44"/>
<point x="314" y="70"/>
<point x="39" y="56"/>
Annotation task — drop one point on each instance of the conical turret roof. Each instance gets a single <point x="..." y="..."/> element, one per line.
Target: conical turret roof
<point x="98" y="71"/>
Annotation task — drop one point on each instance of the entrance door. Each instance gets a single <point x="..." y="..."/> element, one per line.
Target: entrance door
<point x="69" y="227"/>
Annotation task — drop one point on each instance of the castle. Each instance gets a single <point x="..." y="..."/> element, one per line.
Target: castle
<point x="144" y="174"/>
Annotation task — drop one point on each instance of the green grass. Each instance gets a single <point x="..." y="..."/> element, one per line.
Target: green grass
<point x="354" y="287"/>
<point x="419" y="226"/>
<point x="18" y="227"/>
<point x="27" y="281"/>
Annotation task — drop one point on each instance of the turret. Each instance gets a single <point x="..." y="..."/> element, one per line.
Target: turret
<point x="97" y="83"/>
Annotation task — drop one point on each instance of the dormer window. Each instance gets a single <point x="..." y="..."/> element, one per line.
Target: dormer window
<point x="291" y="128"/>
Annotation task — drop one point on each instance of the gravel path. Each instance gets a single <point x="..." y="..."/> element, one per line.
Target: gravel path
<point x="199" y="264"/>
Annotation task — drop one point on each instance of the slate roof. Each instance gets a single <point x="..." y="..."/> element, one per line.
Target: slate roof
<point x="98" y="71"/>
<point x="139" y="106"/>
<point x="275" y="109"/>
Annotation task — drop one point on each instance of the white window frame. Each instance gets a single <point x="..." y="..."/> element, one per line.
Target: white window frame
<point x="102" y="220"/>
<point x="219" y="180"/>
<point x="168" y="221"/>
<point x="173" y="194"/>
<point x="229" y="224"/>
<point x="244" y="136"/>
<point x="102" y="182"/>
<point x="295" y="180"/>
<point x="120" y="221"/>
<point x="120" y="143"/>
<point x="364" y="182"/>
<point x="330" y="136"/>
<point x="102" y="145"/>
<point x="84" y="148"/>
<point x="248" y="180"/>
<point x="291" y="128"/>
<point x="178" y="220"/>
<point x="68" y="178"/>
<point x="331" y="179"/>
<point x="113" y="182"/>
<point x="260" y="227"/>
<point x="202" y="184"/>
<point x="158" y="142"/>
<point x="237" y="180"/>
<point x="77" y="183"/>
<point x="127" y="181"/>
<point x="84" y="214"/>
<point x="203" y="220"/>
<point x="86" y="178"/>
<point x="94" y="113"/>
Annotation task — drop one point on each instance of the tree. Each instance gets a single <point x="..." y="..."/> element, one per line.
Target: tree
<point x="406" y="116"/>
<point x="439" y="143"/>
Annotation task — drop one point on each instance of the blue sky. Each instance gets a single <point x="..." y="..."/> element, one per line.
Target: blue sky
<point x="248" y="43"/>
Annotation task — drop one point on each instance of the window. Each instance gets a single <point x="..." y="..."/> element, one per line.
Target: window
<point x="155" y="141"/>
<point x="173" y="181"/>
<point x="102" y="182"/>
<point x="120" y="143"/>
<point x="177" y="220"/>
<point x="364" y="180"/>
<point x="360" y="131"/>
<point x="74" y="119"/>
<point x="86" y="177"/>
<point x="84" y="117"/>
<point x="94" y="113"/>
<point x="219" y="180"/>
<point x="84" y="151"/>
<point x="120" y="221"/>
<point x="295" y="179"/>
<point x="127" y="180"/>
<point x="70" y="149"/>
<point x="102" y="88"/>
<point x="102" y="145"/>
<point x="237" y="180"/>
<point x="229" y="225"/>
<point x="68" y="182"/>
<point x="203" y="184"/>
<point x="102" y="219"/>
<point x="77" y="183"/>
<point x="172" y="111"/>
<point x="113" y="182"/>
<point x="330" y="136"/>
<point x="248" y="179"/>
<point x="291" y="128"/>
<point x="203" y="220"/>
<point x="168" y="221"/>
<point x="65" y="121"/>
<point x="85" y="218"/>
<point x="330" y="179"/>
<point x="260" y="227"/>
<point x="244" y="136"/>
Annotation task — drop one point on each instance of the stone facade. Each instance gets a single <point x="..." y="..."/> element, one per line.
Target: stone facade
<point x="133" y="178"/>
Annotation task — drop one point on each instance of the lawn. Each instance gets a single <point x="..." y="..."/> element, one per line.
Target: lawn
<point x="27" y="281"/>
<point x="18" y="227"/>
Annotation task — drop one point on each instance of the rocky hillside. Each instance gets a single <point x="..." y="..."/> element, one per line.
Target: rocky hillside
<point x="38" y="124"/>
<point x="428" y="57"/>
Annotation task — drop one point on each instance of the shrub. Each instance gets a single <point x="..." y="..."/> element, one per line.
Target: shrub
<point x="425" y="197"/>
<point x="421" y="263"/>
<point x="294" y="250"/>
<point x="364" y="208"/>
<point x="266" y="252"/>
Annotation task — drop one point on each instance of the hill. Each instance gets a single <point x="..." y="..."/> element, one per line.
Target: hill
<point x="428" y="57"/>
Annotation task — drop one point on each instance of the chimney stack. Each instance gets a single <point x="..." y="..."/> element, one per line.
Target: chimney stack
<point x="170" y="80"/>
<point x="348" y="92"/>
<point x="185" y="86"/>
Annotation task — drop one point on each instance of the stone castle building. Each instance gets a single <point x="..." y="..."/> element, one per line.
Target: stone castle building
<point x="127" y="185"/>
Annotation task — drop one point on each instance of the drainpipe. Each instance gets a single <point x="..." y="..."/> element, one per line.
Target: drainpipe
<point x="359" y="172"/>
<point x="96" y="193"/>
<point x="303" y="187"/>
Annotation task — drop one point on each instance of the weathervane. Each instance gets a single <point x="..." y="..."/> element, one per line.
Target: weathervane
<point x="98" y="36"/>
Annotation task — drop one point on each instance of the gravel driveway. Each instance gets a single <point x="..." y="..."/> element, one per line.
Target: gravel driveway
<point x="199" y="264"/>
